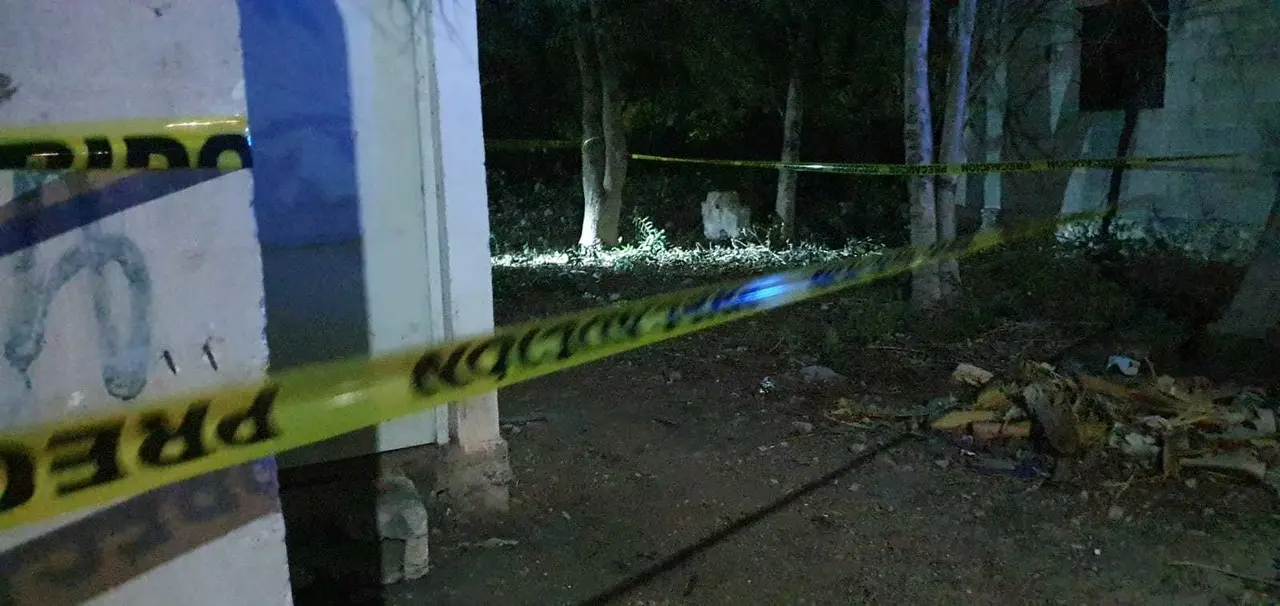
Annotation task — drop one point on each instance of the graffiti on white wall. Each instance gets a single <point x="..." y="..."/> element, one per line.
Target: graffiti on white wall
<point x="107" y="262"/>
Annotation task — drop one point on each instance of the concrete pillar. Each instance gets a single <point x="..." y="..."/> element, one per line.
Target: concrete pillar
<point x="177" y="305"/>
<point x="477" y="469"/>
<point x="417" y="245"/>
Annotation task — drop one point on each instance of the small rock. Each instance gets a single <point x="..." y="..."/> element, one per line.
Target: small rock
<point x="855" y="487"/>
<point x="972" y="375"/>
<point x="1115" y="512"/>
<point x="773" y="481"/>
<point x="857" y="447"/>
<point x="493" y="542"/>
<point x="820" y="374"/>
<point x="943" y="463"/>
<point x="802" y="426"/>
<point x="1191" y="482"/>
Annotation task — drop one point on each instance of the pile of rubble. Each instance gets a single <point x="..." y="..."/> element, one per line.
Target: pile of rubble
<point x="1162" y="423"/>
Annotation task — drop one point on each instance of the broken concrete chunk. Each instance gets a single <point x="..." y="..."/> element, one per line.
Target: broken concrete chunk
<point x="971" y="375"/>
<point x="392" y="561"/>
<point x="416" y="558"/>
<point x="724" y="216"/>
<point x="401" y="513"/>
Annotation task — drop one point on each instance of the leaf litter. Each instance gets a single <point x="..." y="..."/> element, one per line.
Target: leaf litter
<point x="1169" y="426"/>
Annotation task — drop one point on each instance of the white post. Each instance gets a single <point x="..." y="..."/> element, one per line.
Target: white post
<point x="415" y="98"/>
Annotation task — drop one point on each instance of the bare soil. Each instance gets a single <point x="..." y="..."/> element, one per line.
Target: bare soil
<point x="622" y="463"/>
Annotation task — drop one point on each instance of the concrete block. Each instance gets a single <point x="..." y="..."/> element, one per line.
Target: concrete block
<point x="475" y="480"/>
<point x="402" y="529"/>
<point x="724" y="215"/>
<point x="416" y="558"/>
<point x="401" y="513"/>
<point x="392" y="562"/>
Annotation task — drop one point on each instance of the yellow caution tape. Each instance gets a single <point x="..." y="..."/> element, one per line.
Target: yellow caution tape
<point x="906" y="170"/>
<point x="210" y="143"/>
<point x="79" y="461"/>
<point x="223" y="143"/>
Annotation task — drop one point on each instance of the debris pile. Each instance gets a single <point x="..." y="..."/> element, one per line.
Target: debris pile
<point x="1165" y="424"/>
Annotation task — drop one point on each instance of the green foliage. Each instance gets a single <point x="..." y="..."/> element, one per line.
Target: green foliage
<point x="1197" y="240"/>
<point x="648" y="237"/>
<point x="532" y="215"/>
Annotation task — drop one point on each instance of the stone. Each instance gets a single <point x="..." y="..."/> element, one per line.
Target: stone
<point x="402" y="529"/>
<point x="392" y="561"/>
<point x="401" y="512"/>
<point x="416" y="558"/>
<point x="477" y="481"/>
<point x="724" y="216"/>
<point x="821" y="375"/>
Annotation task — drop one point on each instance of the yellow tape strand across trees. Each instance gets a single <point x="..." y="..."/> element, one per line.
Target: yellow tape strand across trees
<point x="223" y="143"/>
<point x="901" y="170"/>
<point x="77" y="462"/>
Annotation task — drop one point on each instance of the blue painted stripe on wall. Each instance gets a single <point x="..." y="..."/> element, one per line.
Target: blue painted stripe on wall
<point x="27" y="230"/>
<point x="297" y="88"/>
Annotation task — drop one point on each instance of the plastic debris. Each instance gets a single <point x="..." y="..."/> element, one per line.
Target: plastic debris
<point x="1124" y="365"/>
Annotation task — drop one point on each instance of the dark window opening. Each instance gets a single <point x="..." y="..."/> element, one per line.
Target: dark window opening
<point x="1122" y="54"/>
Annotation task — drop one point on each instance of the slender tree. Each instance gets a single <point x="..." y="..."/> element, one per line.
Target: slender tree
<point x="785" y="203"/>
<point x="926" y="290"/>
<point x="951" y="188"/>
<point x="593" y="145"/>
<point x="613" y="131"/>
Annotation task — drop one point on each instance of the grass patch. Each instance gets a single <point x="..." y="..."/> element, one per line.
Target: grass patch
<point x="650" y="250"/>
<point x="1033" y="280"/>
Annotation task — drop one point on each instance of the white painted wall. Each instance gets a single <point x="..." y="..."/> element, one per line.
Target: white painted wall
<point x="1222" y="95"/>
<point x="114" y="59"/>
<point x="419" y="152"/>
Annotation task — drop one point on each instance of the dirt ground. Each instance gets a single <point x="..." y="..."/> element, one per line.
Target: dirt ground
<point x="622" y="463"/>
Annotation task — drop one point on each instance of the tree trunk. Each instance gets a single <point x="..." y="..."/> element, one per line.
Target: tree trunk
<point x="615" y="137"/>
<point x="1112" y="207"/>
<point x="593" y="165"/>
<point x="785" y="204"/>
<point x="918" y="141"/>
<point x="951" y="190"/>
